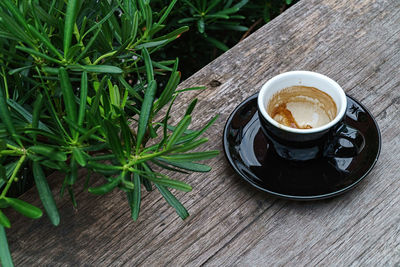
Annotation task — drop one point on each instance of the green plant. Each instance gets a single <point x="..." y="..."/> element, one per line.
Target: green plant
<point x="79" y="88"/>
<point x="215" y="26"/>
<point x="214" y="15"/>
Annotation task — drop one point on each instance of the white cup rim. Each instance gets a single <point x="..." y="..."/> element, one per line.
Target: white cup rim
<point x="261" y="101"/>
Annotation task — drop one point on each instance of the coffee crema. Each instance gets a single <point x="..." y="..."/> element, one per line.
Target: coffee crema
<point x="302" y="107"/>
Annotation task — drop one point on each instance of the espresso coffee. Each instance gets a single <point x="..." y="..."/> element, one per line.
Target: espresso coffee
<point x="302" y="107"/>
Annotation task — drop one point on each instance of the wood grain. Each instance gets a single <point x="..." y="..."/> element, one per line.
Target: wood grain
<point x="356" y="43"/>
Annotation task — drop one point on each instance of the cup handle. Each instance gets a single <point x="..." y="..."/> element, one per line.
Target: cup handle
<point x="346" y="142"/>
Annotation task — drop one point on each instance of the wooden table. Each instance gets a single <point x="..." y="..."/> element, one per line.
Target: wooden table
<point x="357" y="43"/>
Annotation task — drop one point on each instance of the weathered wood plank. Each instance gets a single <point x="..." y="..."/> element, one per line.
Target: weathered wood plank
<point x="357" y="43"/>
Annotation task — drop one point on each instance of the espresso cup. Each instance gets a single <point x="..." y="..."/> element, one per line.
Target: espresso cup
<point x="307" y="144"/>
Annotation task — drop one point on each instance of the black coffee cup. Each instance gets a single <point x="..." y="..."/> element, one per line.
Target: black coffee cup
<point x="334" y="139"/>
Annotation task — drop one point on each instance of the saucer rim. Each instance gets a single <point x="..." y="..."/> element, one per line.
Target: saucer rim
<point x="296" y="197"/>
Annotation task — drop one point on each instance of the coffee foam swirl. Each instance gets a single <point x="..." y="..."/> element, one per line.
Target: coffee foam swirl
<point x="302" y="107"/>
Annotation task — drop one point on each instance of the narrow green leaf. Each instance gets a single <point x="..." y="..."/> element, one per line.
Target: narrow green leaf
<point x="148" y="15"/>
<point x="126" y="28"/>
<point x="165" y="123"/>
<point x="196" y="134"/>
<point x="4" y="221"/>
<point x="160" y="66"/>
<point x="112" y="21"/>
<point x="103" y="166"/>
<point x="191" y="89"/>
<point x="192" y="156"/>
<point x="73" y="51"/>
<point x="36" y="131"/>
<point x="237" y="17"/>
<point x="88" y="45"/>
<point x="168" y="167"/>
<point x="44" y="40"/>
<point x="24" y="208"/>
<point x="128" y="185"/>
<point x="241" y="4"/>
<point x="2" y="170"/>
<point x="147" y="185"/>
<point x="37" y="109"/>
<point x="54" y="115"/>
<point x="166" y="12"/>
<point x="114" y="141"/>
<point x="105" y="188"/>
<point x="45" y="194"/>
<point x="49" y="152"/>
<point x="136" y="196"/>
<point x="44" y="15"/>
<point x="15" y="11"/>
<point x="103" y="157"/>
<point x="228" y="10"/>
<point x="145" y="112"/>
<point x="90" y="134"/>
<point x="100" y="23"/>
<point x="87" y="180"/>
<point x="126" y="134"/>
<point x="220" y="16"/>
<point x="190" y="145"/>
<point x="83" y="96"/>
<point x="186" y="20"/>
<point x="191" y="5"/>
<point x="101" y="69"/>
<point x="13" y="71"/>
<point x="135" y="23"/>
<point x="179" y="185"/>
<point x="50" y="70"/>
<point x="169" y="90"/>
<point x="191" y="106"/>
<point x="152" y="44"/>
<point x="38" y="54"/>
<point x="72" y="195"/>
<point x="212" y="4"/>
<point x="79" y="156"/>
<point x="28" y="116"/>
<point x="94" y="109"/>
<point x="115" y="96"/>
<point x="59" y="165"/>
<point x="235" y="27"/>
<point x="179" y="130"/>
<point x="70" y="18"/>
<point x="73" y="172"/>
<point x="217" y="44"/>
<point x="6" y="117"/>
<point x="10" y="169"/>
<point x="148" y="64"/>
<point x="171" y="199"/>
<point x="86" y="133"/>
<point x="68" y="95"/>
<point x="5" y="255"/>
<point x="190" y="166"/>
<point x="130" y="89"/>
<point x="14" y="29"/>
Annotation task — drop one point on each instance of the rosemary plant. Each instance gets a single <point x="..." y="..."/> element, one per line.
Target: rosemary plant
<point x="79" y="88"/>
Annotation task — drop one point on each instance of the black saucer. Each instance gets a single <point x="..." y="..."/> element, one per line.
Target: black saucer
<point x="249" y="153"/>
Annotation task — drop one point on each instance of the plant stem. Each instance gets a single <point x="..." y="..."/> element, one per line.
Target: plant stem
<point x="13" y="176"/>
